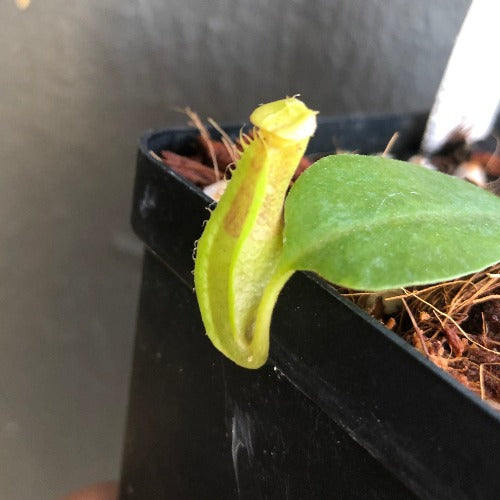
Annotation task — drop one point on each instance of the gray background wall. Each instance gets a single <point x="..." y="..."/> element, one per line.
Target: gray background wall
<point x="78" y="83"/>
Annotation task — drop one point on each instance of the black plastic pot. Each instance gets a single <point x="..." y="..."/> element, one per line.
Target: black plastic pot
<point x="343" y="409"/>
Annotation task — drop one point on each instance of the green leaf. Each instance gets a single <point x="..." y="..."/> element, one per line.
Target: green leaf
<point x="373" y="223"/>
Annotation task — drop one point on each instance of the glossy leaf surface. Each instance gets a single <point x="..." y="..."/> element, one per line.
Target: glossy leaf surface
<point x="373" y="223"/>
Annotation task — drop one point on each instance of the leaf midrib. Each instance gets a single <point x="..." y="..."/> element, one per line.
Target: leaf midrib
<point x="402" y="219"/>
